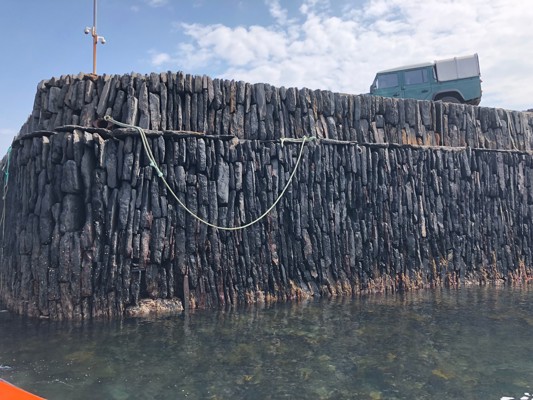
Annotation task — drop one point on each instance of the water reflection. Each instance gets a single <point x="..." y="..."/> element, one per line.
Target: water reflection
<point x="470" y="343"/>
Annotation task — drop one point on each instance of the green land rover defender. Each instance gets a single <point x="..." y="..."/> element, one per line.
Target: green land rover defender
<point x="454" y="80"/>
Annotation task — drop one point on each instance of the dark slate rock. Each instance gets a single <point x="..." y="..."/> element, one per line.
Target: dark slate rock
<point x="304" y="96"/>
<point x="155" y="111"/>
<point x="187" y="111"/>
<point x="80" y="94"/>
<point x="54" y="99"/>
<point x="155" y="200"/>
<point x="260" y="100"/>
<point x="72" y="215"/>
<point x="391" y="112"/>
<point x="129" y="110"/>
<point x="58" y="143"/>
<point x="154" y="82"/>
<point x="78" y="145"/>
<point x="291" y="99"/>
<point x="188" y="83"/>
<point x="71" y="181"/>
<point x="124" y="198"/>
<point x="197" y="83"/>
<point x="328" y="103"/>
<point x="87" y="235"/>
<point x="158" y="240"/>
<point x="164" y="106"/>
<point x="127" y="169"/>
<point x="88" y="113"/>
<point x="410" y="112"/>
<point x="70" y="96"/>
<point x="180" y="178"/>
<point x="223" y="183"/>
<point x="89" y="91"/>
<point x="46" y="222"/>
<point x="144" y="110"/>
<point x="86" y="287"/>
<point x="115" y="86"/>
<point x="252" y="125"/>
<point x="331" y="128"/>
<point x="426" y="113"/>
<point x="194" y="112"/>
<point x="104" y="96"/>
<point x="53" y="284"/>
<point x="218" y="94"/>
<point x="201" y="157"/>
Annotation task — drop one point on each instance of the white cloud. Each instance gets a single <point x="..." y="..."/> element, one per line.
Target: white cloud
<point x="156" y="3"/>
<point x="315" y="6"/>
<point x="158" y="59"/>
<point x="238" y="46"/>
<point x="341" y="51"/>
<point x="277" y="12"/>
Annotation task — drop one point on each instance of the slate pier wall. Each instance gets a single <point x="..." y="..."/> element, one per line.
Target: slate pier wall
<point x="394" y="194"/>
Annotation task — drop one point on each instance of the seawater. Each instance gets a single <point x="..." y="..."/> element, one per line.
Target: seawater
<point x="470" y="343"/>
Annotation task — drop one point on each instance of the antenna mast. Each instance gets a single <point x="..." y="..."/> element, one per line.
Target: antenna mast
<point x="94" y="34"/>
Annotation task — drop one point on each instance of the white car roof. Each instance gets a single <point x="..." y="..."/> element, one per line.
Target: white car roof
<point x="413" y="66"/>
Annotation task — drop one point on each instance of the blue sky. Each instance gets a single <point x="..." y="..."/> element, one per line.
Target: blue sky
<point x="319" y="44"/>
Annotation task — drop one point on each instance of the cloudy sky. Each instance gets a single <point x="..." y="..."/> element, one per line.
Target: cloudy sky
<point x="319" y="44"/>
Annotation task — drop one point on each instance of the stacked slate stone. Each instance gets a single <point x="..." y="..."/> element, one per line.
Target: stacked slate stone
<point x="91" y="230"/>
<point x="178" y="101"/>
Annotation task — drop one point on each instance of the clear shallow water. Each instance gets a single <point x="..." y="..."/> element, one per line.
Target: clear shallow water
<point x="472" y="343"/>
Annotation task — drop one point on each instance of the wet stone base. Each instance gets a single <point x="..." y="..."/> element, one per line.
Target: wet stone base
<point x="149" y="307"/>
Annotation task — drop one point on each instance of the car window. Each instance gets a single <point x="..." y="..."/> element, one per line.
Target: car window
<point x="415" y="77"/>
<point x="387" y="81"/>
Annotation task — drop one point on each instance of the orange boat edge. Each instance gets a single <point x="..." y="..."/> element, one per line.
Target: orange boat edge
<point x="11" y="392"/>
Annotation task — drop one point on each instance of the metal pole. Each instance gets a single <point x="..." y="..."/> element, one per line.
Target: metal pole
<point x="95" y="36"/>
<point x="95" y="42"/>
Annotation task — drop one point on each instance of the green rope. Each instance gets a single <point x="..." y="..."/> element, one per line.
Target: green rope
<point x="153" y="164"/>
<point x="5" y="168"/>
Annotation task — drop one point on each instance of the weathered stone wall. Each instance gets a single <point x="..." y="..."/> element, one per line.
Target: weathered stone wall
<point x="177" y="101"/>
<point x="91" y="230"/>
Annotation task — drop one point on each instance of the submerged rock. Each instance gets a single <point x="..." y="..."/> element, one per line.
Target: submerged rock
<point x="147" y="307"/>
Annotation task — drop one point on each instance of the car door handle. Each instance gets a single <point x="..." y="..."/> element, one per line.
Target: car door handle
<point x="425" y="91"/>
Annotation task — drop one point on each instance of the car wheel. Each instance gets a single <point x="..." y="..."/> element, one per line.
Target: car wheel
<point x="449" y="99"/>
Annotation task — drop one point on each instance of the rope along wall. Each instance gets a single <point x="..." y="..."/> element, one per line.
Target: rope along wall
<point x="153" y="164"/>
<point x="6" y="187"/>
